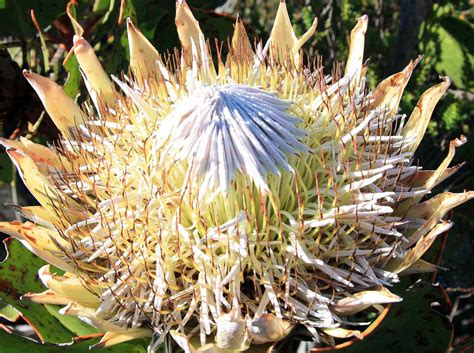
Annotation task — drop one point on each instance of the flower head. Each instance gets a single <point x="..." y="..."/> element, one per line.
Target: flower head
<point x="231" y="201"/>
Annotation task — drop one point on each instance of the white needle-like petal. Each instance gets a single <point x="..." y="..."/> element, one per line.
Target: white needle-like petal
<point x="220" y="130"/>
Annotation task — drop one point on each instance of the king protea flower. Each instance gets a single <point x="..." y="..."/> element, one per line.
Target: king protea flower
<point x="229" y="202"/>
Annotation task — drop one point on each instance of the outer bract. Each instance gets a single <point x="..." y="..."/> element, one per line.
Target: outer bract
<point x="229" y="203"/>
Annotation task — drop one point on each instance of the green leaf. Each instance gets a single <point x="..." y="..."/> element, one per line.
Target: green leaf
<point x="74" y="324"/>
<point x="73" y="82"/>
<point x="101" y="5"/>
<point x="12" y="343"/>
<point x="5" y="168"/>
<point x="414" y="325"/>
<point x="461" y="30"/>
<point x="8" y="312"/>
<point x="454" y="60"/>
<point x="111" y="6"/>
<point x="18" y="275"/>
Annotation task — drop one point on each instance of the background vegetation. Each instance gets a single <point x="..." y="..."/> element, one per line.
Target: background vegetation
<point x="38" y="35"/>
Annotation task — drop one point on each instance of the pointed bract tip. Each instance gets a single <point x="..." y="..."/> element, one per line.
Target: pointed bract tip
<point x="447" y="80"/>
<point x="130" y="25"/>
<point x="461" y="140"/>
<point x="76" y="38"/>
<point x="36" y="80"/>
<point x="362" y="22"/>
<point x="80" y="44"/>
<point x="414" y="63"/>
<point x="33" y="77"/>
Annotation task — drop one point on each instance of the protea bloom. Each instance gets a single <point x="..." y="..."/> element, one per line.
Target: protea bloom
<point x="229" y="203"/>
